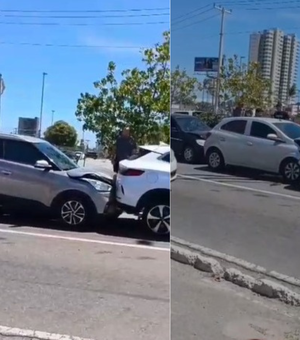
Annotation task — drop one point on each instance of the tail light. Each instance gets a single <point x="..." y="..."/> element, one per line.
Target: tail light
<point x="131" y="172"/>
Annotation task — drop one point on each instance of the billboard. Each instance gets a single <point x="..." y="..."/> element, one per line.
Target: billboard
<point x="206" y="64"/>
<point x="28" y="126"/>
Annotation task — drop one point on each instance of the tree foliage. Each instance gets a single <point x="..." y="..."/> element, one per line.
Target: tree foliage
<point x="141" y="100"/>
<point x="244" y="85"/>
<point x="61" y="134"/>
<point x="183" y="88"/>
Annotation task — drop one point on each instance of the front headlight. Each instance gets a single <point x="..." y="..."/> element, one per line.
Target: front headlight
<point x="200" y="142"/>
<point x="99" y="186"/>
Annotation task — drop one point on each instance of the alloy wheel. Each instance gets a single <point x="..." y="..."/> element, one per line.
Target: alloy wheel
<point x="73" y="212"/>
<point x="158" y="219"/>
<point x="188" y="154"/>
<point x="214" y="160"/>
<point x="292" y="171"/>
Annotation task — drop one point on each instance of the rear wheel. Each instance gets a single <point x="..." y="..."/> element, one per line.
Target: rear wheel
<point x="156" y="217"/>
<point x="290" y="171"/>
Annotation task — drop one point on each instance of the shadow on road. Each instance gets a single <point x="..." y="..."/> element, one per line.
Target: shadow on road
<point x="122" y="227"/>
<point x="234" y="174"/>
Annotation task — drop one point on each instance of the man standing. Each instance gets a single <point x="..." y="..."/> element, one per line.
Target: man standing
<point x="125" y="147"/>
<point x="280" y="113"/>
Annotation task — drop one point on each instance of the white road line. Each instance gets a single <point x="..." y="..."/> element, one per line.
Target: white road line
<point x="78" y="239"/>
<point x="228" y="185"/>
<point x="27" y="333"/>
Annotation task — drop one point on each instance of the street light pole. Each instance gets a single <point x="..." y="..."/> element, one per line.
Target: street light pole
<point x="42" y="104"/>
<point x="223" y="11"/>
<point x="52" y="116"/>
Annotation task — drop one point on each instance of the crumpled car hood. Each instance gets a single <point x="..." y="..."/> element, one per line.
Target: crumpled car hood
<point x="103" y="175"/>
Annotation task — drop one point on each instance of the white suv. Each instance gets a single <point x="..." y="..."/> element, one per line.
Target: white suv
<point x="143" y="187"/>
<point x="266" y="144"/>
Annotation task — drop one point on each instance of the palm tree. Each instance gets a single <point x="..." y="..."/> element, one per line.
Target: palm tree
<point x="292" y="92"/>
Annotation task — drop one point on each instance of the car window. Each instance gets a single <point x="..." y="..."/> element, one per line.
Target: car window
<point x="21" y="152"/>
<point x="139" y="153"/>
<point x="261" y="130"/>
<point x="292" y="130"/>
<point x="236" y="126"/>
<point x="191" y="124"/>
<point x="1" y="149"/>
<point x="166" y="157"/>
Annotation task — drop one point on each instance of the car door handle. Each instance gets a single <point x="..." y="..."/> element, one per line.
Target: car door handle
<point x="5" y="172"/>
<point x="249" y="143"/>
<point x="222" y="139"/>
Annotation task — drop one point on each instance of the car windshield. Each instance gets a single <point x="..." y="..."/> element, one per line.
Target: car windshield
<point x="190" y="124"/>
<point x="61" y="160"/>
<point x="292" y="130"/>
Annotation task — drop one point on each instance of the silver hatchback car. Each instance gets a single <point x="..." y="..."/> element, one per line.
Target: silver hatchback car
<point x="37" y="177"/>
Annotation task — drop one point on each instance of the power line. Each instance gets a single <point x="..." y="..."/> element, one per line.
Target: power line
<point x="85" y="16"/>
<point x="194" y="23"/>
<point x="191" y="16"/>
<point x="86" y="11"/>
<point x="70" y="45"/>
<point x="190" y="12"/>
<point x="82" y="24"/>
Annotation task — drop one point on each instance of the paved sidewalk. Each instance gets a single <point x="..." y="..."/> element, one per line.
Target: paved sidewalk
<point x="203" y="309"/>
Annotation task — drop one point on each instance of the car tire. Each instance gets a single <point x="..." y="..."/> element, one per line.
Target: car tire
<point x="188" y="154"/>
<point x="156" y="217"/>
<point x="215" y="159"/>
<point x="290" y="171"/>
<point x="75" y="211"/>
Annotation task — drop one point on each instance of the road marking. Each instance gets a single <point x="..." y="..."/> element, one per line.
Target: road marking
<point x="27" y="333"/>
<point x="228" y="185"/>
<point x="78" y="239"/>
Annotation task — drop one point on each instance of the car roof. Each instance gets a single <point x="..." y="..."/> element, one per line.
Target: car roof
<point x="28" y="139"/>
<point x="263" y="119"/>
<point x="162" y="149"/>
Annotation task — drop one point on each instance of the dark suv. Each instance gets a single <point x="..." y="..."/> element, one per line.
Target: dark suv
<point x="188" y="134"/>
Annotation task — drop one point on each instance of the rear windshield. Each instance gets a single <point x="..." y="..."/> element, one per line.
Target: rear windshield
<point x="140" y="153"/>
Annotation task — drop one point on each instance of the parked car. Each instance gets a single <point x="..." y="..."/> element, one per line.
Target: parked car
<point x="173" y="167"/>
<point x="35" y="176"/>
<point x="91" y="154"/>
<point x="188" y="136"/>
<point x="265" y="144"/>
<point x="143" y="187"/>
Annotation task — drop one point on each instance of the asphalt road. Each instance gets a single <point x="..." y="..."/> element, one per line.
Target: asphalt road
<point x="89" y="285"/>
<point x="205" y="309"/>
<point x="252" y="217"/>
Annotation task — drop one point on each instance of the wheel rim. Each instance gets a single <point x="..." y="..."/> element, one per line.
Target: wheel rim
<point x="188" y="154"/>
<point x="292" y="171"/>
<point x="158" y="219"/>
<point x="73" y="212"/>
<point x="214" y="160"/>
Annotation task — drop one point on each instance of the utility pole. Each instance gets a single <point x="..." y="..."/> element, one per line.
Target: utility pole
<point x="52" y="117"/>
<point x="223" y="11"/>
<point x="42" y="104"/>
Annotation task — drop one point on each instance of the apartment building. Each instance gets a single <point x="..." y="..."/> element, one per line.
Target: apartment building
<point x="278" y="55"/>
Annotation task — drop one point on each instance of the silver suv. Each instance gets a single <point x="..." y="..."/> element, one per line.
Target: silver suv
<point x="37" y="177"/>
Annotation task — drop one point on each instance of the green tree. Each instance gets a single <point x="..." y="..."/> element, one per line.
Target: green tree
<point x="141" y="100"/>
<point x="245" y="86"/>
<point x="183" y="88"/>
<point x="292" y="92"/>
<point x="61" y="134"/>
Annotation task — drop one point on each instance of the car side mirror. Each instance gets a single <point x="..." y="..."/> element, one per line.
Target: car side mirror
<point x="42" y="164"/>
<point x="275" y="138"/>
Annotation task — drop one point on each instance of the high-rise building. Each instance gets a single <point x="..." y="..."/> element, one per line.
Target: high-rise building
<point x="278" y="56"/>
<point x="28" y="126"/>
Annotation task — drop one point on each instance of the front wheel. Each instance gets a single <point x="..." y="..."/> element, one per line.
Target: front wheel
<point x="215" y="159"/>
<point x="189" y="154"/>
<point x="290" y="171"/>
<point x="156" y="217"/>
<point x="74" y="212"/>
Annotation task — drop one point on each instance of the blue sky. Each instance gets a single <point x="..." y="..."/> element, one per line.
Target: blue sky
<point x="201" y="37"/>
<point x="70" y="70"/>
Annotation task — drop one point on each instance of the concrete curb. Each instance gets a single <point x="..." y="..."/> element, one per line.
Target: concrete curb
<point x="238" y="262"/>
<point x="35" y="335"/>
<point x="264" y="287"/>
